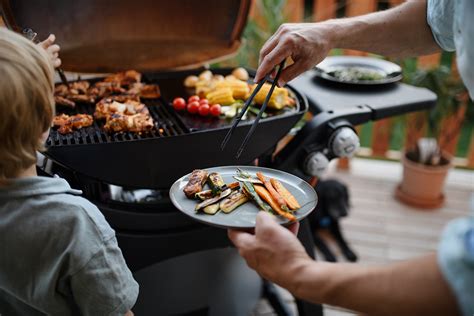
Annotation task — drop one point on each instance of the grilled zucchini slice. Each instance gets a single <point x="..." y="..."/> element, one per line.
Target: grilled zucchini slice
<point x="233" y="201"/>
<point x="211" y="209"/>
<point x="215" y="182"/>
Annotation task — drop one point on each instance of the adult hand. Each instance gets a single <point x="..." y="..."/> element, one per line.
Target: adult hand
<point x="52" y="50"/>
<point x="306" y="43"/>
<point x="273" y="251"/>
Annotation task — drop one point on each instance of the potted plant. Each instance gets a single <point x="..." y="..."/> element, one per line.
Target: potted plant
<point x="427" y="162"/>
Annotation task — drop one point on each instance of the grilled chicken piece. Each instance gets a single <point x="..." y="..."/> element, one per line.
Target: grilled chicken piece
<point x="196" y="181"/>
<point x="104" y="89"/>
<point x="77" y="92"/>
<point x="109" y="106"/>
<point x="85" y="98"/>
<point x="68" y="123"/>
<point x="138" y="123"/>
<point x="125" y="78"/>
<point x="146" y="91"/>
<point x="63" y="101"/>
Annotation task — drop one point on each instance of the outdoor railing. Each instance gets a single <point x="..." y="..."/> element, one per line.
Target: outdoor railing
<point x="387" y="138"/>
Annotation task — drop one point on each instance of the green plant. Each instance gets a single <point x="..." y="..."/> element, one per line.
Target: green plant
<point x="449" y="90"/>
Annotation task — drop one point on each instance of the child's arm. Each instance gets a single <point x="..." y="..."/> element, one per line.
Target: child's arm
<point x="52" y="50"/>
<point x="105" y="285"/>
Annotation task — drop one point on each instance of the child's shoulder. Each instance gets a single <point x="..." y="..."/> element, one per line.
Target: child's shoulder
<point x="78" y="211"/>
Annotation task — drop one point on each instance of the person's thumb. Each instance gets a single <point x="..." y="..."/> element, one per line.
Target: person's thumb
<point x="265" y="222"/>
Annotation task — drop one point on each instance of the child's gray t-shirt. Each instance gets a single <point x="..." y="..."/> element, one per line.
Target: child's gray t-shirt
<point x="58" y="255"/>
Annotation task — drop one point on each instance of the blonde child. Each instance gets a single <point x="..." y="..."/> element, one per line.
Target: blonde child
<point x="58" y="255"/>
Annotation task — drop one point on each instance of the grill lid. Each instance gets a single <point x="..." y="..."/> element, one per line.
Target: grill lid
<point x="107" y="36"/>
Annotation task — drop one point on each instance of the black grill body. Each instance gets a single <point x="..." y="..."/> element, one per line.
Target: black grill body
<point x="178" y="144"/>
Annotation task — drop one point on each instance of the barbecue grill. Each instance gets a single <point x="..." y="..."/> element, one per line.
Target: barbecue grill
<point x="167" y="40"/>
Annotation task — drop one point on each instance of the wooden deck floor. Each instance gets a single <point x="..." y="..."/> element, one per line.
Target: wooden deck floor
<point x="379" y="228"/>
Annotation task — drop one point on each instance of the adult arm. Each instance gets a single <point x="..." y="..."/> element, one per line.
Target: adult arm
<point x="398" y="32"/>
<point x="414" y="287"/>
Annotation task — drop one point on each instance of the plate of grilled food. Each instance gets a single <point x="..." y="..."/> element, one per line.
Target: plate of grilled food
<point x="232" y="196"/>
<point x="355" y="70"/>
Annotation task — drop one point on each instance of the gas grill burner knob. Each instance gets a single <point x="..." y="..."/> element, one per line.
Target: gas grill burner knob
<point x="316" y="163"/>
<point x="344" y="142"/>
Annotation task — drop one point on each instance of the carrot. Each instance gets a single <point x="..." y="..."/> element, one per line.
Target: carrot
<point x="266" y="196"/>
<point x="287" y="196"/>
<point x="275" y="195"/>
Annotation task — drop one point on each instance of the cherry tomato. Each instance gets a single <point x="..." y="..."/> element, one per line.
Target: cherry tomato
<point x="215" y="110"/>
<point x="193" y="107"/>
<point x="203" y="101"/>
<point x="204" y="109"/>
<point x="179" y="104"/>
<point x="193" y="98"/>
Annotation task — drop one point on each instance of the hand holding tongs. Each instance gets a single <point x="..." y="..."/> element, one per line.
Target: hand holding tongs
<point x="32" y="35"/>
<point x="245" y="107"/>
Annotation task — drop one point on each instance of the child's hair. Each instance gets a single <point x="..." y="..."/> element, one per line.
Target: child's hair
<point x="26" y="101"/>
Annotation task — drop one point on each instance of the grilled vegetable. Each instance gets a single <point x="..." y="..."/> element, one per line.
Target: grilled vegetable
<point x="195" y="183"/>
<point x="249" y="189"/>
<point x="213" y="200"/>
<point x="233" y="201"/>
<point x="204" y="195"/>
<point x="275" y="195"/>
<point x="278" y="100"/>
<point x="287" y="196"/>
<point x="251" y="180"/>
<point x="221" y="96"/>
<point x="233" y="186"/>
<point x="211" y="209"/>
<point x="266" y="196"/>
<point x="241" y="74"/>
<point x="240" y="89"/>
<point x="215" y="182"/>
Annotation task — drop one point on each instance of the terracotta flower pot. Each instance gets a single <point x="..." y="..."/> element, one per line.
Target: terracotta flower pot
<point x="422" y="185"/>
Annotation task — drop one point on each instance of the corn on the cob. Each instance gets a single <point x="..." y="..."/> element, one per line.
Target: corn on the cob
<point x="202" y="88"/>
<point x="278" y="99"/>
<point x="221" y="96"/>
<point x="240" y="89"/>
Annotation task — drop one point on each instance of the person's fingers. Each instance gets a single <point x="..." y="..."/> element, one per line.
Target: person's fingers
<point x="272" y="42"/>
<point x="53" y="49"/>
<point x="240" y="239"/>
<point x="294" y="228"/>
<point x="57" y="62"/>
<point x="291" y="72"/>
<point x="268" y="47"/>
<point x="271" y="60"/>
<point x="49" y="41"/>
<point x="265" y="224"/>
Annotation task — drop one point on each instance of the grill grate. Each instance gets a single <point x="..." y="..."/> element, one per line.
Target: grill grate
<point x="167" y="124"/>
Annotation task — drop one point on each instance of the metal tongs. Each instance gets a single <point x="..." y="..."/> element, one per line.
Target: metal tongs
<point x="32" y="36"/>
<point x="245" y="107"/>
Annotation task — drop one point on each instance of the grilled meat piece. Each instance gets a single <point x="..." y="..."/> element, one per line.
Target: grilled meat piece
<point x="146" y="91"/>
<point x="104" y="89"/>
<point x="138" y="123"/>
<point x="196" y="181"/>
<point x="63" y="101"/>
<point x="68" y="123"/>
<point x="109" y="106"/>
<point x="78" y="92"/>
<point x="125" y="78"/>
